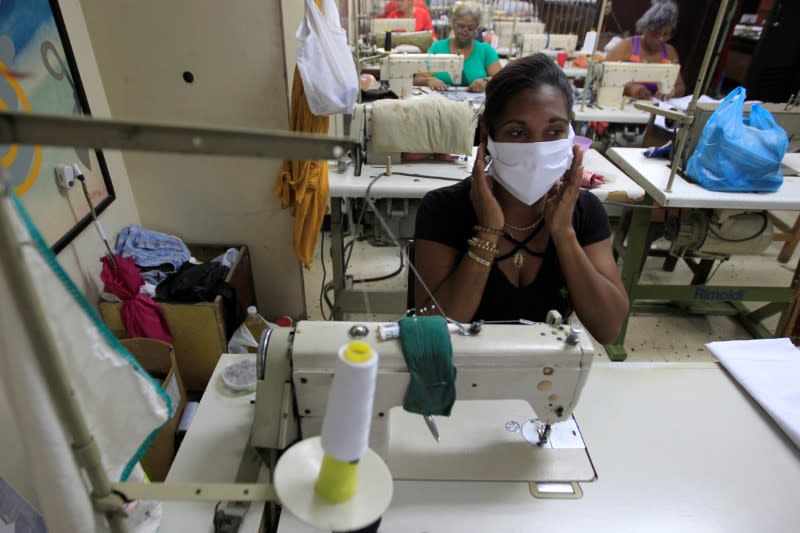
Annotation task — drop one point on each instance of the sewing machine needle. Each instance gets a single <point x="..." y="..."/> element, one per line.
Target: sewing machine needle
<point x="432" y="426"/>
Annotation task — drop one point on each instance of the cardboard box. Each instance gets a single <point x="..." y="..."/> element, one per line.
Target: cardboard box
<point x="198" y="330"/>
<point x="158" y="359"/>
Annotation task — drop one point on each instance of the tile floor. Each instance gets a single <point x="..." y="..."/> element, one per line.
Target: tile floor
<point x="654" y="337"/>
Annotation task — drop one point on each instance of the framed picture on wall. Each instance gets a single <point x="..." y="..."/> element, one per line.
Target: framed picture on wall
<point x="38" y="73"/>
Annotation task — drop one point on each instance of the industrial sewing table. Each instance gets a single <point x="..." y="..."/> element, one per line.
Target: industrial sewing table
<point x="677" y="447"/>
<point x="404" y="189"/>
<point x="653" y="175"/>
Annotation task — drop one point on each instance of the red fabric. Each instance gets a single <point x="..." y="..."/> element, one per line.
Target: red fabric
<point x="391" y="5"/>
<point x="592" y="179"/>
<point x="422" y="16"/>
<point x="141" y="315"/>
<point x="599" y="127"/>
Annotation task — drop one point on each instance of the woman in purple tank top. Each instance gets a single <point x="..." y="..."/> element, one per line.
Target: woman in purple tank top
<point x="655" y="28"/>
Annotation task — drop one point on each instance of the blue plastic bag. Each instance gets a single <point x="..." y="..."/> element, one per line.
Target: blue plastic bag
<point x="735" y="154"/>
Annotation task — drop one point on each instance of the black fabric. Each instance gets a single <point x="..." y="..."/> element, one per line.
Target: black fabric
<point x="202" y="283"/>
<point x="446" y="216"/>
<point x="382" y="93"/>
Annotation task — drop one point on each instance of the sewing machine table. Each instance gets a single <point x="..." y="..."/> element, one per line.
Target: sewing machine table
<point x="652" y="175"/>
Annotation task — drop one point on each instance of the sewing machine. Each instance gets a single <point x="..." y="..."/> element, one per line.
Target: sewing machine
<point x="532" y="43"/>
<point x="399" y="25"/>
<point x="541" y="366"/>
<point x="610" y="77"/>
<point x="507" y="32"/>
<point x="398" y="69"/>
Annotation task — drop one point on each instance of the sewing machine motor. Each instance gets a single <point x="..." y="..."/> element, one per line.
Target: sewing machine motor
<point x="718" y="233"/>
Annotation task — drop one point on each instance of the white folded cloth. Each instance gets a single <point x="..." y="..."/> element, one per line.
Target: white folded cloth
<point x="769" y="369"/>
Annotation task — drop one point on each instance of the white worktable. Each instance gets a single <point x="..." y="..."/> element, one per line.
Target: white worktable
<point x="211" y="452"/>
<point x="653" y="175"/>
<point x="619" y="187"/>
<point x="677" y="447"/>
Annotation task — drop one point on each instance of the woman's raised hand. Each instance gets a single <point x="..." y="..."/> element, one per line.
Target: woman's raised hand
<point x="562" y="197"/>
<point x="490" y="215"/>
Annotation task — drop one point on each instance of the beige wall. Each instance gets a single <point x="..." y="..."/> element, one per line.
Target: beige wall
<point x="81" y="259"/>
<point x="235" y="51"/>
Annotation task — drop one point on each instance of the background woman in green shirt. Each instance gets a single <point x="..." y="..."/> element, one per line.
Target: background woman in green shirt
<point x="480" y="59"/>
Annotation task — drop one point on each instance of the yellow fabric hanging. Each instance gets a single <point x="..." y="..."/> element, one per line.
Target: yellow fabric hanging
<point x="303" y="185"/>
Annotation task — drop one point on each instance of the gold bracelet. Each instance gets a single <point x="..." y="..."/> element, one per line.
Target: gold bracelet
<point x="478" y="259"/>
<point x="484" y="229"/>
<point x="486" y="246"/>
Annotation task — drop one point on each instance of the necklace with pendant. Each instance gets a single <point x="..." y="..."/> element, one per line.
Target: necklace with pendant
<point x="518" y="254"/>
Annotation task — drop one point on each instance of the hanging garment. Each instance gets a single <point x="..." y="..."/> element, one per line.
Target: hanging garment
<point x="303" y="185"/>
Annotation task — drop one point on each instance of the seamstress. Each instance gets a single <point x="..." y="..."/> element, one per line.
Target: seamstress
<point x="407" y="9"/>
<point x="650" y="46"/>
<point x="521" y="238"/>
<point x="480" y="59"/>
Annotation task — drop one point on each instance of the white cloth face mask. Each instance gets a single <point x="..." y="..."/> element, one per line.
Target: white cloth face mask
<point x="529" y="170"/>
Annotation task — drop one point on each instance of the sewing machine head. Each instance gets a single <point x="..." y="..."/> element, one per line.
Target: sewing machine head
<point x="610" y="79"/>
<point x="543" y="365"/>
<point x="398" y="69"/>
<point x="508" y="31"/>
<point x="399" y="25"/>
<point x="536" y="42"/>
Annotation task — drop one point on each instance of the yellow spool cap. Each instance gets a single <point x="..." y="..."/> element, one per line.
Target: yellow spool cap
<point x="357" y="352"/>
<point x="337" y="480"/>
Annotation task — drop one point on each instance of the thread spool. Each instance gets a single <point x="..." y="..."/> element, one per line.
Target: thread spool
<point x="345" y="428"/>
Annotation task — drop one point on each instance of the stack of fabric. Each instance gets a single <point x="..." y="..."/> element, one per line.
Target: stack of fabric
<point x="151" y="264"/>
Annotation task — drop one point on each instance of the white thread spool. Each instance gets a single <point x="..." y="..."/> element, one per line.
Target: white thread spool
<point x="345" y="428"/>
<point x="327" y="498"/>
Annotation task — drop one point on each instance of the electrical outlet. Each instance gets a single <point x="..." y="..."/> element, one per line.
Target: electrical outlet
<point x="65" y="176"/>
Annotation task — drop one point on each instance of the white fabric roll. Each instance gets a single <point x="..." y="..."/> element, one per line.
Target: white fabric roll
<point x="345" y="428"/>
<point x="425" y="125"/>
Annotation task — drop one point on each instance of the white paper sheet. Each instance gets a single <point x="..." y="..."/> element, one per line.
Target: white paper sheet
<point x="769" y="369"/>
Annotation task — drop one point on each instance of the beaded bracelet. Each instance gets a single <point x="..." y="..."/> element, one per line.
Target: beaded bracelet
<point x="484" y="229"/>
<point x="486" y="246"/>
<point x="478" y="259"/>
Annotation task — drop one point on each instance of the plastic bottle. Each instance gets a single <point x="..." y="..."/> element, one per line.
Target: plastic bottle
<point x="256" y="324"/>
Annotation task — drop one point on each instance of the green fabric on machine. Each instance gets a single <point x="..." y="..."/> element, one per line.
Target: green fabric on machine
<point x="429" y="357"/>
